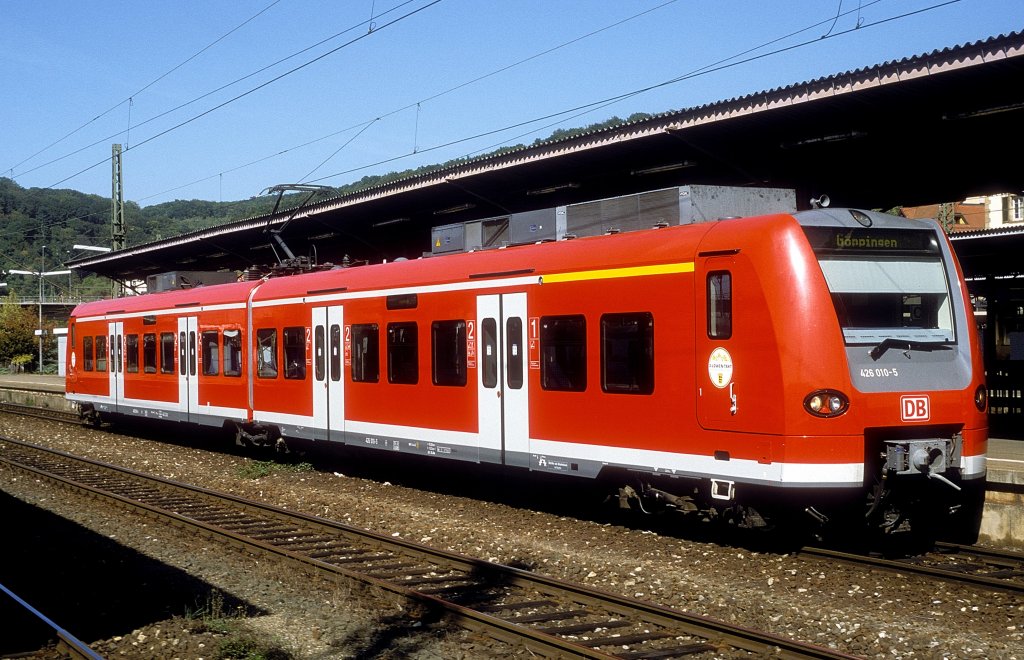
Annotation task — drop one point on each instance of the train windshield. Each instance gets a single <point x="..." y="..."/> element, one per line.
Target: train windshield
<point x="886" y="284"/>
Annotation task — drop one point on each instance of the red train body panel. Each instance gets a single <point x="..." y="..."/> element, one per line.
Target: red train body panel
<point x="827" y="360"/>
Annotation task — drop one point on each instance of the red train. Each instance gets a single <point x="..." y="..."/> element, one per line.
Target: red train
<point x="824" y="362"/>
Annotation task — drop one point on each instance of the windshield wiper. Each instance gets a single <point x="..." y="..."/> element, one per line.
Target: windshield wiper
<point x="906" y="345"/>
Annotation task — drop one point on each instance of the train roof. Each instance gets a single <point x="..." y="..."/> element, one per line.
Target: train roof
<point x="219" y="294"/>
<point x="627" y="250"/>
<point x="631" y="249"/>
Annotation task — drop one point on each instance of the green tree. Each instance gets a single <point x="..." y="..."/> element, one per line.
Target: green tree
<point x="17" y="331"/>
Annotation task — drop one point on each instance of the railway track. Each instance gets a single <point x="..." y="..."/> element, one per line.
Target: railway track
<point x="979" y="567"/>
<point x="549" y="617"/>
<point x="50" y="414"/>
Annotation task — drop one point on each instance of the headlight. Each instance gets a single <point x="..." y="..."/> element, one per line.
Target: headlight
<point x="981" y="397"/>
<point x="826" y="403"/>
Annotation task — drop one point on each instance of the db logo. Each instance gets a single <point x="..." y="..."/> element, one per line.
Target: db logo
<point x="915" y="408"/>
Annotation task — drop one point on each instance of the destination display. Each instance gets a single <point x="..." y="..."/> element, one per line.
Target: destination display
<point x="874" y="240"/>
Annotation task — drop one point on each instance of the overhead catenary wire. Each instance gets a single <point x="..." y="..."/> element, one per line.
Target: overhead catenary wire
<point x="581" y="109"/>
<point x="371" y="27"/>
<point x="146" y="87"/>
<point x="258" y="87"/>
<point x="221" y="88"/>
<point x="566" y="114"/>
<point x="589" y="107"/>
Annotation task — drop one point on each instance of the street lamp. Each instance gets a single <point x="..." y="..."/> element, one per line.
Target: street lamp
<point x="41" y="273"/>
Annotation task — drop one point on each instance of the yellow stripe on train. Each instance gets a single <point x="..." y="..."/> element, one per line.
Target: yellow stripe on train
<point x="612" y="273"/>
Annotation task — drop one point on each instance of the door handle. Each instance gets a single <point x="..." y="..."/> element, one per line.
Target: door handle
<point x="732" y="399"/>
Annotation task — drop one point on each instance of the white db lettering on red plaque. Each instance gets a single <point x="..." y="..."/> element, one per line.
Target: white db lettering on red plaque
<point x="915" y="408"/>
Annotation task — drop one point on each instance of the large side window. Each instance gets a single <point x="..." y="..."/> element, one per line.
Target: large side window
<point x="627" y="353"/>
<point x="720" y="304"/>
<point x="402" y="353"/>
<point x="448" y="346"/>
<point x="563" y="345"/>
<point x="211" y="352"/>
<point x="232" y="352"/>
<point x="149" y="353"/>
<point x="365" y="353"/>
<point x="131" y="354"/>
<point x="167" y="352"/>
<point x="101" y="353"/>
<point x="295" y="353"/>
<point x="87" y="353"/>
<point x="266" y="353"/>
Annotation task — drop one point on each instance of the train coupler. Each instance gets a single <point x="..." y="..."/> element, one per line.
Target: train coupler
<point x="929" y="457"/>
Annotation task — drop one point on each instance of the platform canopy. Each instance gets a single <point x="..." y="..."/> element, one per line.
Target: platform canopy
<point x="934" y="127"/>
<point x="990" y="252"/>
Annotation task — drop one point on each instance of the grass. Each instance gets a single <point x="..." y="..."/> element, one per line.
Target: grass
<point x="237" y="643"/>
<point x="260" y="469"/>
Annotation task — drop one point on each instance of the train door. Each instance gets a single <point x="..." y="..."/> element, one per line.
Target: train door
<point x="502" y="385"/>
<point x="730" y="382"/>
<point x="115" y="375"/>
<point x="188" y="381"/>
<point x="328" y="373"/>
<point x="717" y="399"/>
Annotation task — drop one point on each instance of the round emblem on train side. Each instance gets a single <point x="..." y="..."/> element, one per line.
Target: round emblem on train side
<point x="720" y="367"/>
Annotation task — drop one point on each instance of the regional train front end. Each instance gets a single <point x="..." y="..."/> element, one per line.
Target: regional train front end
<point x="915" y="366"/>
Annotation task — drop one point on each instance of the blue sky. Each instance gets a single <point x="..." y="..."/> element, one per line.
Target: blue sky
<point x="431" y="81"/>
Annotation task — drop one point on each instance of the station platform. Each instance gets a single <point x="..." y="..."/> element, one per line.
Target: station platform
<point x="38" y="382"/>
<point x="1004" y="502"/>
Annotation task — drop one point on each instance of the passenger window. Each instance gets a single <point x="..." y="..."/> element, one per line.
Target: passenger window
<point x="211" y="352"/>
<point x="167" y="352"/>
<point x="131" y="354"/>
<point x="149" y="353"/>
<point x="489" y="353"/>
<point x="514" y="352"/>
<point x="266" y="353"/>
<point x="365" y="353"/>
<point x="403" y="356"/>
<point x="319" y="359"/>
<point x="448" y="345"/>
<point x="335" y="353"/>
<point x="182" y="354"/>
<point x="295" y="353"/>
<point x="720" y="304"/>
<point x="101" y="353"/>
<point x="87" y="353"/>
<point x="232" y="352"/>
<point x="563" y="345"/>
<point x="627" y="353"/>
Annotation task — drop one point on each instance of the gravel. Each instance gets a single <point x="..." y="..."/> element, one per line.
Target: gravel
<point x="545" y="527"/>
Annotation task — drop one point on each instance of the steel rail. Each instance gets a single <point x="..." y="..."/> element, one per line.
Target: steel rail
<point x="68" y="643"/>
<point x="253" y="525"/>
<point x="1014" y="566"/>
<point x="50" y="414"/>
